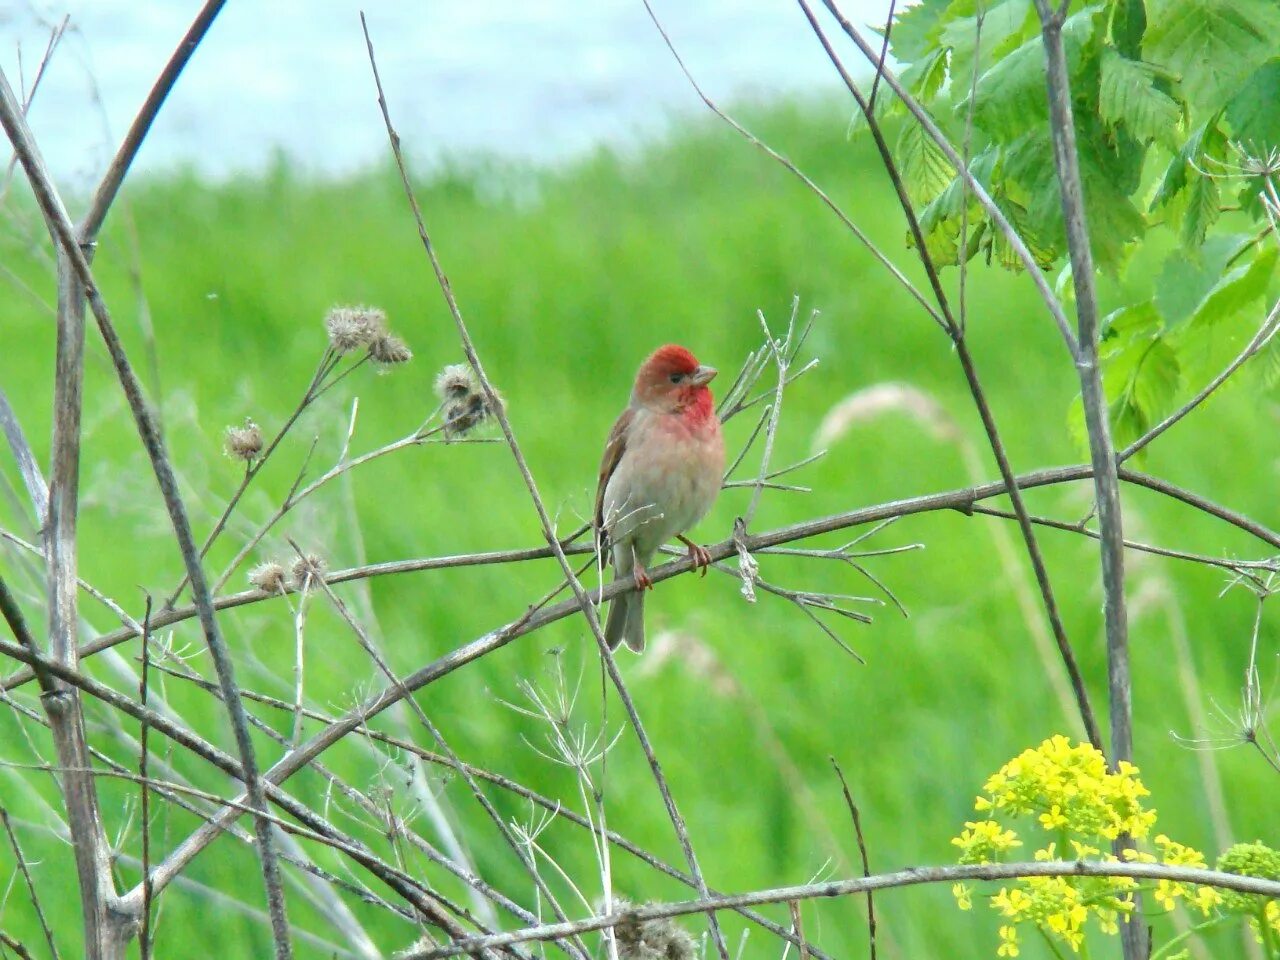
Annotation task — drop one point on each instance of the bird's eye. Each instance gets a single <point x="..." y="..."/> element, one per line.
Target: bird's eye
<point x="676" y="377"/>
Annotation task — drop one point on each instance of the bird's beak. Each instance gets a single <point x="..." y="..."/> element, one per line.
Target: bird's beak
<point x="703" y="375"/>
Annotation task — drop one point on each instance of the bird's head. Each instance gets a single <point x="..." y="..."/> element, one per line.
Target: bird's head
<point x="672" y="380"/>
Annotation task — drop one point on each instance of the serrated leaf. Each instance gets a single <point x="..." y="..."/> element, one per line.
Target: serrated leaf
<point x="916" y="29"/>
<point x="1004" y="27"/>
<point x="1128" y="95"/>
<point x="1212" y="45"/>
<point x="1254" y="112"/>
<point x="1128" y="23"/>
<point x="1235" y="291"/>
<point x="925" y="170"/>
<point x="1204" y="206"/>
<point x="1011" y="97"/>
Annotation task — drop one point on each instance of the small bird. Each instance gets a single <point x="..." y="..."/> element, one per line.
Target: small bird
<point x="660" y="475"/>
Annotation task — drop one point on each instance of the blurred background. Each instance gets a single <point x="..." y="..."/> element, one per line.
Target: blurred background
<point x="586" y="212"/>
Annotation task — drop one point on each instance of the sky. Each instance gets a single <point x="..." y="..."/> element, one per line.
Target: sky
<point x="528" y="79"/>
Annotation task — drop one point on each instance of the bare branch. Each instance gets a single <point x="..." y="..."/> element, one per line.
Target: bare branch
<point x="105" y="195"/>
<point x="63" y="232"/>
<point x="913" y="876"/>
<point x="21" y="859"/>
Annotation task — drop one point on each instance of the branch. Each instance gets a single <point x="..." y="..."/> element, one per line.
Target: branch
<point x="105" y="195"/>
<point x="1097" y="418"/>
<point x="961" y="499"/>
<point x="912" y="876"/>
<point x="64" y="235"/>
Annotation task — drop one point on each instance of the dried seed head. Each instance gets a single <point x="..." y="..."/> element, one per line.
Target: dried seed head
<point x="466" y="414"/>
<point x="660" y="939"/>
<point x="310" y="566"/>
<point x="244" y="443"/>
<point x="351" y="328"/>
<point x="268" y="577"/>
<point x="455" y="382"/>
<point x="390" y="349"/>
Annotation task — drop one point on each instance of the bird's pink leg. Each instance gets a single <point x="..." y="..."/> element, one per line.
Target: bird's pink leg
<point x="643" y="580"/>
<point x="700" y="556"/>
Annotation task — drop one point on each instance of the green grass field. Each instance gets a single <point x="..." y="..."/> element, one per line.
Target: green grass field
<point x="567" y="279"/>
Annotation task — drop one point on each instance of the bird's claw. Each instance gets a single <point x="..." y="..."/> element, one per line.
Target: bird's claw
<point x="643" y="580"/>
<point x="700" y="556"/>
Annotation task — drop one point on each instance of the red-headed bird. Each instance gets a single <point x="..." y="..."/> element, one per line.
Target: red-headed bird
<point x="660" y="475"/>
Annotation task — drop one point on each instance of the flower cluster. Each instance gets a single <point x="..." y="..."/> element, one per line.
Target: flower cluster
<point x="1079" y="807"/>
<point x="1253" y="860"/>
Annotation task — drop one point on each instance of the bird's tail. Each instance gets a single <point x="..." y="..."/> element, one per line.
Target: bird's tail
<point x="625" y="623"/>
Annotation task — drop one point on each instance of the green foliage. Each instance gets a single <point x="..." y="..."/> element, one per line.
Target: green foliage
<point x="1176" y="105"/>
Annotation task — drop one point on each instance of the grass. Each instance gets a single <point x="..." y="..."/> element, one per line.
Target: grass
<point x="568" y="278"/>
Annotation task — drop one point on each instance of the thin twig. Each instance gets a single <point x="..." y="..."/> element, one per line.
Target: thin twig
<point x="37" y="490"/>
<point x="21" y="859"/>
<point x="1019" y="246"/>
<point x="862" y="851"/>
<point x="144" y="799"/>
<point x="866" y="241"/>
<point x="958" y="499"/>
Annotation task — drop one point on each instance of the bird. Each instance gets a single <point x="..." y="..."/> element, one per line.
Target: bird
<point x="661" y="471"/>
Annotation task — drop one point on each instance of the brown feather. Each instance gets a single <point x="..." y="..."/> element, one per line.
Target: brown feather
<point x="613" y="451"/>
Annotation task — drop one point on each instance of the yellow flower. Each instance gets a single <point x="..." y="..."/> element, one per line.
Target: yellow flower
<point x="963" y="894"/>
<point x="1008" y="942"/>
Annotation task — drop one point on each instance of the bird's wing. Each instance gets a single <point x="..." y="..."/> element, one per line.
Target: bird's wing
<point x="613" y="451"/>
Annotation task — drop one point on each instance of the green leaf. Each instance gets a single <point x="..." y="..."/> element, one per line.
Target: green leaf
<point x="1011" y="97"/>
<point x="1141" y="373"/>
<point x="916" y="29"/>
<point x="1213" y="45"/>
<point x="925" y="170"/>
<point x="1237" y="290"/>
<point x="1128" y="23"/>
<point x="1128" y="95"/>
<point x="1005" y="27"/>
<point x="1204" y="203"/>
<point x="1254" y="112"/>
<point x="1155" y="381"/>
<point x="1108" y="171"/>
<point x="1120" y="328"/>
<point x="1186" y="277"/>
